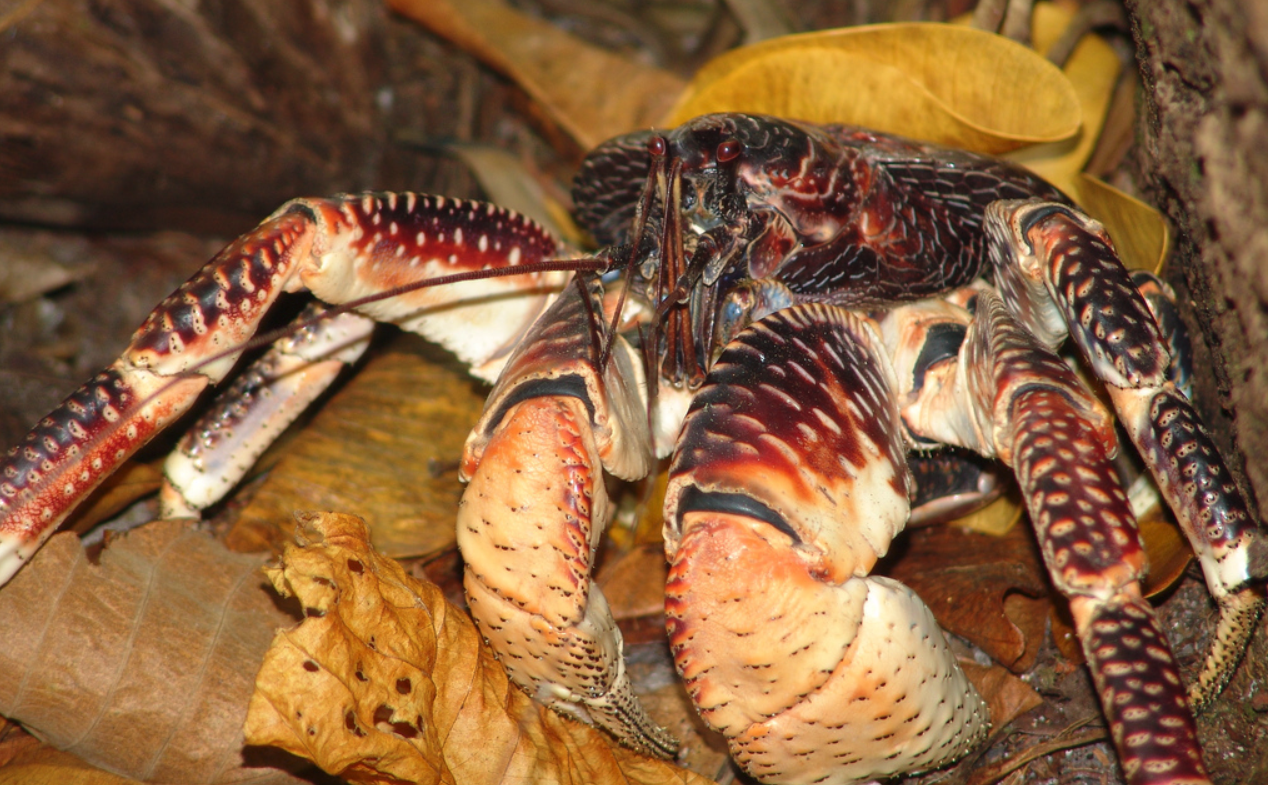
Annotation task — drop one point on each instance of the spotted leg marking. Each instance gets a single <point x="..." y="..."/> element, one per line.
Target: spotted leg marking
<point x="535" y="509"/>
<point x="788" y="483"/>
<point x="341" y="249"/>
<point x="1054" y="259"/>
<point x="1005" y="394"/>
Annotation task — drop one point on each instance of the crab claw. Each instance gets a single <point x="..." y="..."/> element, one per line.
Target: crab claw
<point x="789" y="483"/>
<point x="534" y="512"/>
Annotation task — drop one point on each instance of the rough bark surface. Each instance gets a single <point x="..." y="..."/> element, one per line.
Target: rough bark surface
<point x="1203" y="160"/>
<point x="201" y="116"/>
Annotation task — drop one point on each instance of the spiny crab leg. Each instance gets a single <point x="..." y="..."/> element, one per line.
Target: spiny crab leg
<point x="1058" y="267"/>
<point x="535" y="509"/>
<point x="1007" y="395"/>
<point x="263" y="400"/>
<point x="340" y="249"/>
<point x="789" y="482"/>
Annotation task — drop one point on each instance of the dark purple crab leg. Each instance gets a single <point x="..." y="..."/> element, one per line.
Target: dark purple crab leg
<point x="1055" y="261"/>
<point x="1007" y="395"/>
<point x="340" y="249"/>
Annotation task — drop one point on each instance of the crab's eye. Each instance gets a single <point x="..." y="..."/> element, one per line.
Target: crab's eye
<point x="657" y="146"/>
<point x="729" y="150"/>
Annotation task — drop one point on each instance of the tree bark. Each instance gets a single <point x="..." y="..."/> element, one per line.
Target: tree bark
<point x="1203" y="159"/>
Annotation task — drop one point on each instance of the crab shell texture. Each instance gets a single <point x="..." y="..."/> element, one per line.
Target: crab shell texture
<point x="785" y="309"/>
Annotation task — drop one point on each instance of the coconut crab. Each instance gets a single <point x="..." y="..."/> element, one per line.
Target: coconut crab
<point x="788" y="308"/>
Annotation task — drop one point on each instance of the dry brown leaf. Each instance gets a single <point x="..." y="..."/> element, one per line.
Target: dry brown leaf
<point x="941" y="83"/>
<point x="368" y="452"/>
<point x="142" y="665"/>
<point x="1007" y="696"/>
<point x="43" y="765"/>
<point x="134" y="481"/>
<point x="387" y="682"/>
<point x="1064" y="636"/>
<point x="634" y="582"/>
<point x="967" y="577"/>
<point x="591" y="94"/>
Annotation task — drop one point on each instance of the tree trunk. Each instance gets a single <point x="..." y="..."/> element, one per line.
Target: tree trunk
<point x="1203" y="159"/>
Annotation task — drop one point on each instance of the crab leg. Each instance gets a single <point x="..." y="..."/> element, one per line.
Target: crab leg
<point x="1006" y="395"/>
<point x="341" y="249"/>
<point x="532" y="517"/>
<point x="788" y="484"/>
<point x="223" y="445"/>
<point x="1059" y="263"/>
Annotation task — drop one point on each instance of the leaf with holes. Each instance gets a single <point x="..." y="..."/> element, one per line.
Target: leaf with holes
<point x="387" y="682"/>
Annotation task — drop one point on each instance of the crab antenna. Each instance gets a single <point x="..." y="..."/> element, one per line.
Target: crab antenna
<point x="580" y="264"/>
<point x="592" y="319"/>
<point x="655" y="176"/>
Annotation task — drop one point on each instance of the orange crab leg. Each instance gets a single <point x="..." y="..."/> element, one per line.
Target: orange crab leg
<point x="341" y="249"/>
<point x="535" y="509"/>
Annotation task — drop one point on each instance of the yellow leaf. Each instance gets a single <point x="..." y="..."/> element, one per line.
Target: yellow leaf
<point x="1140" y="232"/>
<point x="941" y="83"/>
<point x="386" y="682"/>
<point x="1092" y="70"/>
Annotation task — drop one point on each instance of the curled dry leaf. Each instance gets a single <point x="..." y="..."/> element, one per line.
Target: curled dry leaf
<point x="942" y="83"/>
<point x="142" y="665"/>
<point x="368" y="452"/>
<point x="1140" y="232"/>
<point x="387" y="682"/>
<point x="1092" y="71"/>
